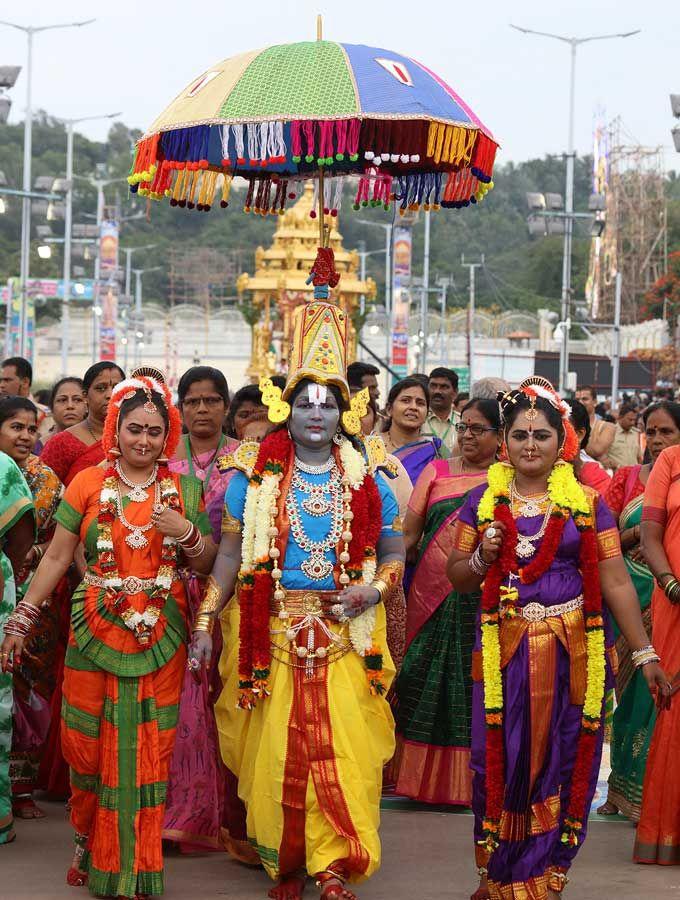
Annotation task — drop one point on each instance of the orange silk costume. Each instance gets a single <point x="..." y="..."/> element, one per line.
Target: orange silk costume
<point x="121" y="698"/>
<point x="658" y="833"/>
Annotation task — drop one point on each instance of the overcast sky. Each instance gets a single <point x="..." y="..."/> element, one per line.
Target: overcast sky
<point x="137" y="56"/>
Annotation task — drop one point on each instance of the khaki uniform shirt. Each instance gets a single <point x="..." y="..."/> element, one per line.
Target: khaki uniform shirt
<point x="625" y="448"/>
<point x="445" y="430"/>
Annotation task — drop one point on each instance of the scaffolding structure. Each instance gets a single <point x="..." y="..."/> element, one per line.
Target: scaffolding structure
<point x="203" y="277"/>
<point x="634" y="241"/>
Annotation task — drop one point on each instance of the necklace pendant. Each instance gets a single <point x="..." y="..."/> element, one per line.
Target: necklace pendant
<point x="317" y="567"/>
<point x="316" y="504"/>
<point x="524" y="548"/>
<point x="138" y="494"/>
<point x="530" y="509"/>
<point x="136" y="540"/>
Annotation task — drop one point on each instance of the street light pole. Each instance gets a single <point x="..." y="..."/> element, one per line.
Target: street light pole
<point x="573" y="43"/>
<point x="24" y="269"/>
<point x="68" y="234"/>
<point x="425" y="297"/>
<point x="616" y="360"/>
<point x="472" y="267"/>
<point x="388" y="285"/>
<point x="139" y="315"/>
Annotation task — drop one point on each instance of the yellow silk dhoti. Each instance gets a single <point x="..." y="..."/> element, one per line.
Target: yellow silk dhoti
<point x="309" y="758"/>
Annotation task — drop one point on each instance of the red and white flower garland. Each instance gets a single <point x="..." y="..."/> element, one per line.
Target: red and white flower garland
<point x="141" y="624"/>
<point x="262" y="560"/>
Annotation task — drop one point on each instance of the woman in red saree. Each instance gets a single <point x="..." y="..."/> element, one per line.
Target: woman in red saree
<point x="658" y="833"/>
<point x="67" y="453"/>
<point x="80" y="446"/>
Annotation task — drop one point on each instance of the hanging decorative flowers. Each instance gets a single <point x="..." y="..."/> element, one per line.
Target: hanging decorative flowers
<point x="568" y="499"/>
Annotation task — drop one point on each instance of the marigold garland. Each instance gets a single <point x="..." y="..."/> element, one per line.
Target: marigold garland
<point x="141" y="624"/>
<point x="256" y="583"/>
<point x="568" y="499"/>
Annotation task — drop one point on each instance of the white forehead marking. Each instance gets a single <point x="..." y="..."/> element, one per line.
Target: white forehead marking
<point x="317" y="393"/>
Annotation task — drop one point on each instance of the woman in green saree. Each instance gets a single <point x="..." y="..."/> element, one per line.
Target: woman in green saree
<point x="635" y="715"/>
<point x="434" y="688"/>
<point x="17" y="532"/>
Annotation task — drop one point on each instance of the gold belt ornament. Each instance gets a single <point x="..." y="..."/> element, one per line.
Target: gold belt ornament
<point x="536" y="612"/>
<point x="308" y="603"/>
<point x="130" y="585"/>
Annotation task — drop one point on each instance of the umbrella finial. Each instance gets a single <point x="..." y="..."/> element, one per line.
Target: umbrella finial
<point x="319" y="27"/>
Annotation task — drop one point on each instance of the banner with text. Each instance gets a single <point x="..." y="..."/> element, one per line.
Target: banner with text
<point x="402" y="251"/>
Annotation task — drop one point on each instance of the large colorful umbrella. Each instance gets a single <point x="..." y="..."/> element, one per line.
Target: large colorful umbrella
<point x="321" y="110"/>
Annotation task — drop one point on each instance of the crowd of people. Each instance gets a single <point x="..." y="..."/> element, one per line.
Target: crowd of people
<point x="233" y="620"/>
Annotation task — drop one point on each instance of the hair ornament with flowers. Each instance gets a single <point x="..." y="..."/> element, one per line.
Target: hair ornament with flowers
<point x="149" y="384"/>
<point x="532" y="388"/>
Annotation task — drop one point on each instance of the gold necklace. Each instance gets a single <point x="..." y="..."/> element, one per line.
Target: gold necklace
<point x="529" y="507"/>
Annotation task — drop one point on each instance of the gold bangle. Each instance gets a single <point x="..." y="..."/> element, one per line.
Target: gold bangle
<point x="391" y="575"/>
<point x="381" y="587"/>
<point x="204" y="623"/>
<point x="211" y="597"/>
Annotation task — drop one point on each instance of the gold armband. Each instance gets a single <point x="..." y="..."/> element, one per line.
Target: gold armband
<point x="211" y="598"/>
<point x="387" y="578"/>
<point x="230" y="524"/>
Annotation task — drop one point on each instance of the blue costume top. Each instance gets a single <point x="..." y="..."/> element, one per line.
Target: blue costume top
<point x="317" y="527"/>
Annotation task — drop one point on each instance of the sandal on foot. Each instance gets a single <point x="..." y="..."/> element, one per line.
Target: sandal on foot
<point x="608" y="809"/>
<point x="25" y="808"/>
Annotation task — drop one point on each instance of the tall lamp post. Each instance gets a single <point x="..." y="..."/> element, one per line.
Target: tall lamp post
<point x="574" y="43"/>
<point x="139" y="315"/>
<point x="29" y="31"/>
<point x="68" y="228"/>
<point x="388" y="281"/>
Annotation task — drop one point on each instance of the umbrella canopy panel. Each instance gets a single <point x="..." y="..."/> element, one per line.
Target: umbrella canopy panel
<point x="286" y="113"/>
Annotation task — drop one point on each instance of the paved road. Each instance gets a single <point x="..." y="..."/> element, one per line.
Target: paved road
<point x="427" y="856"/>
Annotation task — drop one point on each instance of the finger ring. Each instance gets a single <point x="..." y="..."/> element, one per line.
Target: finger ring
<point x="193" y="664"/>
<point x="158" y="509"/>
<point x="490" y="532"/>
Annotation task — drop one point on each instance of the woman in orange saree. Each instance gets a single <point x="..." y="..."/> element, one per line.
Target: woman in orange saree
<point x="67" y="453"/>
<point x="126" y="651"/>
<point x="658" y="833"/>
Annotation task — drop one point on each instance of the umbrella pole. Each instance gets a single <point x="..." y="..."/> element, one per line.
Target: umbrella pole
<point x="321" y="209"/>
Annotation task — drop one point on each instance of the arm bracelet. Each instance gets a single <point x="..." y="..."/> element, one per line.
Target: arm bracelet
<point x="477" y="563"/>
<point x="196" y="550"/>
<point x="643" y="656"/>
<point x="211" y="598"/>
<point x="663" y="575"/>
<point x="22" y="620"/>
<point x="204" y="622"/>
<point x="389" y="574"/>
<point x="382" y="588"/>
